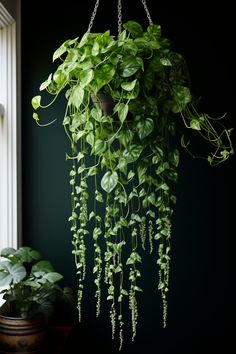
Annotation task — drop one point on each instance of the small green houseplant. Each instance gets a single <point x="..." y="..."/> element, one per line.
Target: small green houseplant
<point x="30" y="285"/>
<point x="128" y="156"/>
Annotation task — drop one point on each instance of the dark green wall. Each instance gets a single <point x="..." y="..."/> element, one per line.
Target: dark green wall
<point x="200" y="299"/>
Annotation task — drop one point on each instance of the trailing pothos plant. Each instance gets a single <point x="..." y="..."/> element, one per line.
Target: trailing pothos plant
<point x="126" y="159"/>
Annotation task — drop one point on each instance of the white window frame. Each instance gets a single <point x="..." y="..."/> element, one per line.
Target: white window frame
<point x="8" y="131"/>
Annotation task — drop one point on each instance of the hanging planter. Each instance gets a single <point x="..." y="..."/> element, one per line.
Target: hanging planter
<point x="127" y="167"/>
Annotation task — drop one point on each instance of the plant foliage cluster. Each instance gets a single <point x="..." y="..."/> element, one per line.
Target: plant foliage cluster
<point x="30" y="284"/>
<point x="130" y="156"/>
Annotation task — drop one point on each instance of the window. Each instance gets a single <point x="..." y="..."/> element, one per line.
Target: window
<point x="8" y="130"/>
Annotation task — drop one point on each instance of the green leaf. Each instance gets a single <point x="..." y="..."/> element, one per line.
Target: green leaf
<point x="131" y="47"/>
<point x="132" y="153"/>
<point x="86" y="64"/>
<point x="195" y="124"/>
<point x="118" y="269"/>
<point x="136" y="288"/>
<point x="96" y="113"/>
<point x="184" y="144"/>
<point x="122" y="36"/>
<point x="89" y="125"/>
<point x="84" y="39"/>
<point x="125" y="137"/>
<point x="155" y="30"/>
<point x="80" y="169"/>
<point x="53" y="277"/>
<point x="122" y="165"/>
<point x="164" y="187"/>
<point x="80" y="134"/>
<point x="66" y="120"/>
<point x="44" y="266"/>
<point x="130" y="65"/>
<point x="36" y="117"/>
<point x="90" y="138"/>
<point x="151" y="214"/>
<point x="123" y="222"/>
<point x="161" y="285"/>
<point x="96" y="232"/>
<point x="59" y="77"/>
<point x="122" y="110"/>
<point x="36" y="101"/>
<point x="136" y="217"/>
<point x="174" y="157"/>
<point x="91" y="215"/>
<point x="130" y="260"/>
<point x="109" y="181"/>
<point x="131" y="174"/>
<point x="165" y="61"/>
<point x="98" y="196"/>
<point x="182" y="96"/>
<point x="124" y="292"/>
<point x="99" y="147"/>
<point x="7" y="252"/>
<point x="26" y="254"/>
<point x="60" y="51"/>
<point x="11" y="273"/>
<point x="141" y="173"/>
<point x="93" y="171"/>
<point x="108" y="256"/>
<point x="46" y="83"/>
<point x="142" y="193"/>
<point x="95" y="49"/>
<point x="103" y="75"/>
<point x="80" y="156"/>
<point x="134" y="28"/>
<point x="128" y="86"/>
<point x="145" y="127"/>
<point x="76" y="121"/>
<point x="155" y="159"/>
<point x="86" y="77"/>
<point x="77" y="97"/>
<point x="152" y="199"/>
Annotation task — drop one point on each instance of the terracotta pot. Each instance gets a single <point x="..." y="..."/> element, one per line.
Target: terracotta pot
<point x="18" y="335"/>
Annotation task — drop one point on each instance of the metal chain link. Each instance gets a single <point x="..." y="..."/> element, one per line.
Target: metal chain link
<point x="93" y="16"/>
<point x="119" y="16"/>
<point x="147" y="12"/>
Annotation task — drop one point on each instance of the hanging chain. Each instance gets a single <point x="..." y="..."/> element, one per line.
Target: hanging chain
<point x="93" y="16"/>
<point x="119" y="16"/>
<point x="147" y="12"/>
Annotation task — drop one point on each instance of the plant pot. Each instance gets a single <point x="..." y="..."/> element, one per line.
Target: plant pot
<point x="103" y="101"/>
<point x="18" y="335"/>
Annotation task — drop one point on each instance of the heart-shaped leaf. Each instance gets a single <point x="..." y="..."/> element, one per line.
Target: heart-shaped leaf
<point x="109" y="181"/>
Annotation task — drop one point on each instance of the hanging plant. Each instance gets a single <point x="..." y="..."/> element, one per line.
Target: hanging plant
<point x="125" y="155"/>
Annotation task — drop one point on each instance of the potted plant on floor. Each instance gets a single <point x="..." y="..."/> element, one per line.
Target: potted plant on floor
<point x="31" y="291"/>
<point x="125" y="156"/>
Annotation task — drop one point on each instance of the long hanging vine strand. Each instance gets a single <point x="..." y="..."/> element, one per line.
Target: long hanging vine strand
<point x="167" y="171"/>
<point x="97" y="232"/>
<point x="79" y="215"/>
